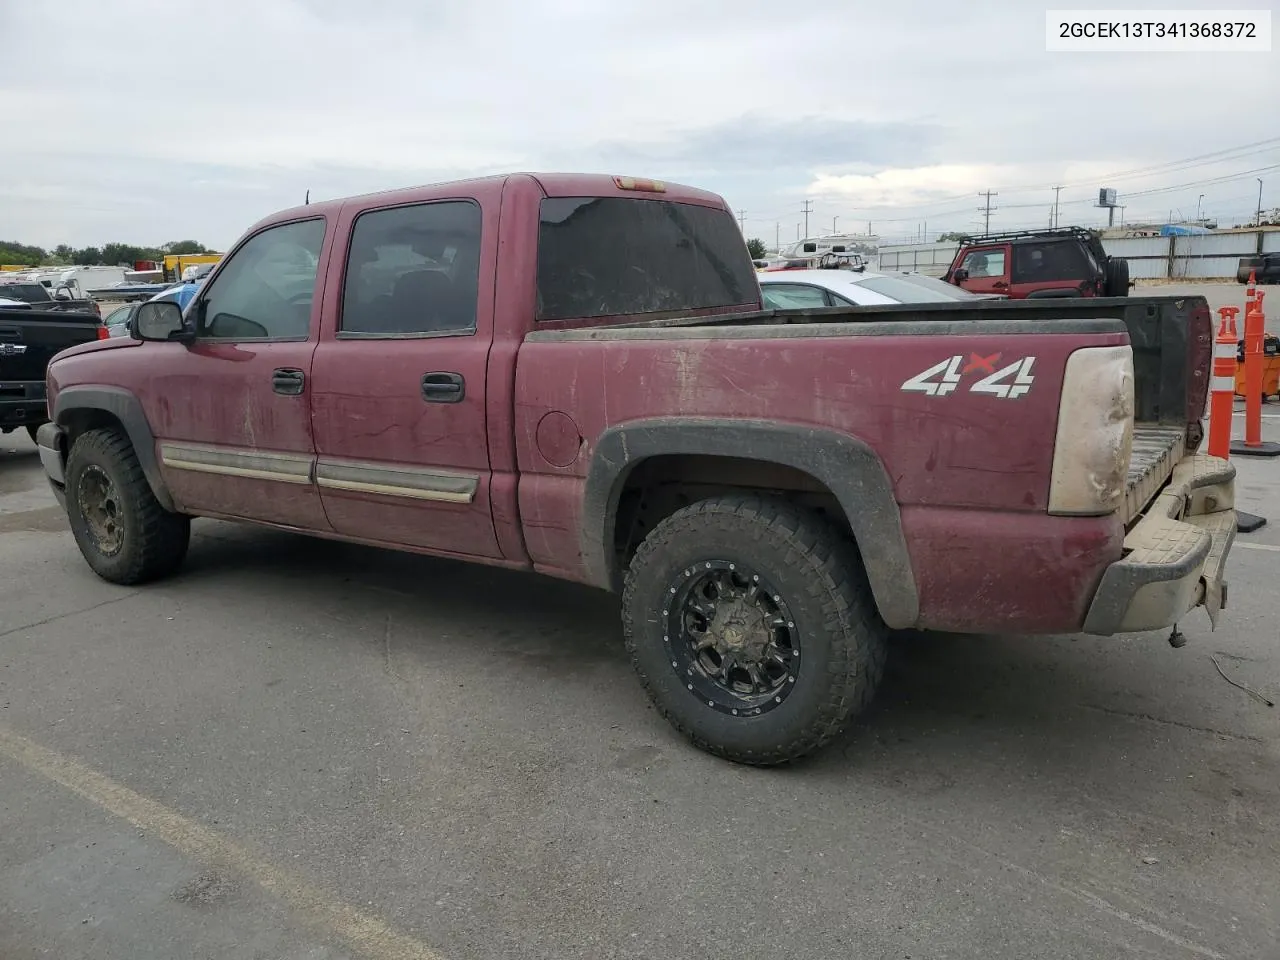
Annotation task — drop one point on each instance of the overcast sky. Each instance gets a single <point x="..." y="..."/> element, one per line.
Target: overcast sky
<point x="145" y="122"/>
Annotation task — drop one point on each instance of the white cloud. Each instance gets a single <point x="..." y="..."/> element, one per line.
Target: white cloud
<point x="144" y="121"/>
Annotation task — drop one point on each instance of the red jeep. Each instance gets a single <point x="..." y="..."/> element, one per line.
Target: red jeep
<point x="1069" y="262"/>
<point x="573" y="374"/>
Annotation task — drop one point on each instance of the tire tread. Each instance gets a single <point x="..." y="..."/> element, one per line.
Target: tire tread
<point x="162" y="537"/>
<point x="859" y="637"/>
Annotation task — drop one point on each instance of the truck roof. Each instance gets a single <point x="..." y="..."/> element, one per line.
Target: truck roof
<point x="552" y="184"/>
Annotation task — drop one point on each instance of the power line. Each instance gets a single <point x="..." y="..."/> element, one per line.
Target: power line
<point x="986" y="211"/>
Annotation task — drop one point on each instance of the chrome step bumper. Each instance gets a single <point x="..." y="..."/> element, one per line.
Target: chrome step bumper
<point x="1175" y="555"/>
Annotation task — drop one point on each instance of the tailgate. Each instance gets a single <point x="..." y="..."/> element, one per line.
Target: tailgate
<point x="30" y="338"/>
<point x="1156" y="451"/>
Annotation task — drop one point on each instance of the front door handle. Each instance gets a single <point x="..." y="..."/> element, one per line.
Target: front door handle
<point x="288" y="381"/>
<point x="443" y="387"/>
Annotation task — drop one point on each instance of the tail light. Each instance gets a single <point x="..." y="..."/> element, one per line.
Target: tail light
<point x="1095" y="432"/>
<point x="103" y="332"/>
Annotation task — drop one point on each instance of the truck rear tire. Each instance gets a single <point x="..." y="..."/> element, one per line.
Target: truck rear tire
<point x="751" y="625"/>
<point x="122" y="531"/>
<point x="1116" y="282"/>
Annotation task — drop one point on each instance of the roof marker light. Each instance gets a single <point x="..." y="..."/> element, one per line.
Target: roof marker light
<point x="639" y="183"/>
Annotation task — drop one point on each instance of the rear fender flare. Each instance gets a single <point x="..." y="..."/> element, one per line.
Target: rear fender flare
<point x="848" y="467"/>
<point x="126" y="408"/>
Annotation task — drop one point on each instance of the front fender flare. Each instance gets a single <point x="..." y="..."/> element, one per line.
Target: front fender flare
<point x="126" y="408"/>
<point x="848" y="467"/>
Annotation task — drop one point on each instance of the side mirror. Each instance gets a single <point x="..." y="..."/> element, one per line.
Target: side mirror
<point x="159" y="320"/>
<point x="960" y="276"/>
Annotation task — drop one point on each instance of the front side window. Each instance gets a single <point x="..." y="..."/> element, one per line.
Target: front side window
<point x="617" y="256"/>
<point x="984" y="263"/>
<point x="265" y="289"/>
<point x="413" y="271"/>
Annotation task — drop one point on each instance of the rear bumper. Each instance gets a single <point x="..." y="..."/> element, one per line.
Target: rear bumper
<point x="22" y="403"/>
<point x="1175" y="555"/>
<point x="49" y="442"/>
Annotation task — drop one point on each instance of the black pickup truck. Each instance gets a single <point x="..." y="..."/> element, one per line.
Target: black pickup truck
<point x="63" y="298"/>
<point x="29" y="337"/>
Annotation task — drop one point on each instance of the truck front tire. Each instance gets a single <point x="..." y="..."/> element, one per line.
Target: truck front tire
<point x="122" y="531"/>
<point x="751" y="625"/>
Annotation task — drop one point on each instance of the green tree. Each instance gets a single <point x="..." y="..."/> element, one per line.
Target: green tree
<point x="86" y="257"/>
<point x="185" y="246"/>
<point x="755" y="247"/>
<point x="21" y="253"/>
<point x="126" y="253"/>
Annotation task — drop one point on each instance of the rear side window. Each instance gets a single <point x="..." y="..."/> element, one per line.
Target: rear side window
<point x="615" y="256"/>
<point x="1052" y="261"/>
<point x="793" y="296"/>
<point x="413" y="271"/>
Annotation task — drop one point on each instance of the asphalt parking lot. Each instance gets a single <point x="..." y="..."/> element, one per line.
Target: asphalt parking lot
<point x="300" y="749"/>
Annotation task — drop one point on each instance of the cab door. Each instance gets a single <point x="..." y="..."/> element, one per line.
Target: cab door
<point x="987" y="268"/>
<point x="399" y="377"/>
<point x="230" y="410"/>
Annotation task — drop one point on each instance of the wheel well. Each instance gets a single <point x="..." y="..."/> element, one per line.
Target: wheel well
<point x="659" y="486"/>
<point x="82" y="419"/>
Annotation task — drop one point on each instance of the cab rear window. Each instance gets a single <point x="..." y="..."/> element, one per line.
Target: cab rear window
<point x="615" y="256"/>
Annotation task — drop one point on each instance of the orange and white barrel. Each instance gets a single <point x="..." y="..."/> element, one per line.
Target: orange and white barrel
<point x="1222" y="384"/>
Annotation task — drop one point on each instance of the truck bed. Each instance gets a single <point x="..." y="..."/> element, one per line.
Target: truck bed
<point x="1172" y="338"/>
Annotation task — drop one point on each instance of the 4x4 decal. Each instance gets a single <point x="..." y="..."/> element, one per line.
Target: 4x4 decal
<point x="1009" y="382"/>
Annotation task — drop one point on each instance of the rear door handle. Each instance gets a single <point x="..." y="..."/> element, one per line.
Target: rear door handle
<point x="288" y="381"/>
<point x="443" y="387"/>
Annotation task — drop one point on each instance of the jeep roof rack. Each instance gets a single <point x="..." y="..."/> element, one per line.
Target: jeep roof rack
<point x="1048" y="233"/>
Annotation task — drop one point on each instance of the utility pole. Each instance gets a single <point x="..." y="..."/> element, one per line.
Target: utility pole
<point x="1053" y="221"/>
<point x="833" y="225"/>
<point x="1259" y="203"/>
<point x="868" y="228"/>
<point x="808" y="208"/>
<point x="986" y="211"/>
<point x="742" y="221"/>
<point x="777" y="237"/>
<point x="1198" y="202"/>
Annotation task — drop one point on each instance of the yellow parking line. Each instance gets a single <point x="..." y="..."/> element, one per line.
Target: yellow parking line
<point x="365" y="934"/>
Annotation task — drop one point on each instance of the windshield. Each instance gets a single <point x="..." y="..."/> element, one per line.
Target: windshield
<point x="26" y="292"/>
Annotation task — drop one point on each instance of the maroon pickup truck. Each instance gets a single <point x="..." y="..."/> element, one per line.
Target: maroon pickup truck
<point x="573" y="374"/>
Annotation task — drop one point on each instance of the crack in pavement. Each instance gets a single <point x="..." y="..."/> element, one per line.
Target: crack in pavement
<point x="70" y="613"/>
<point x="1133" y="715"/>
